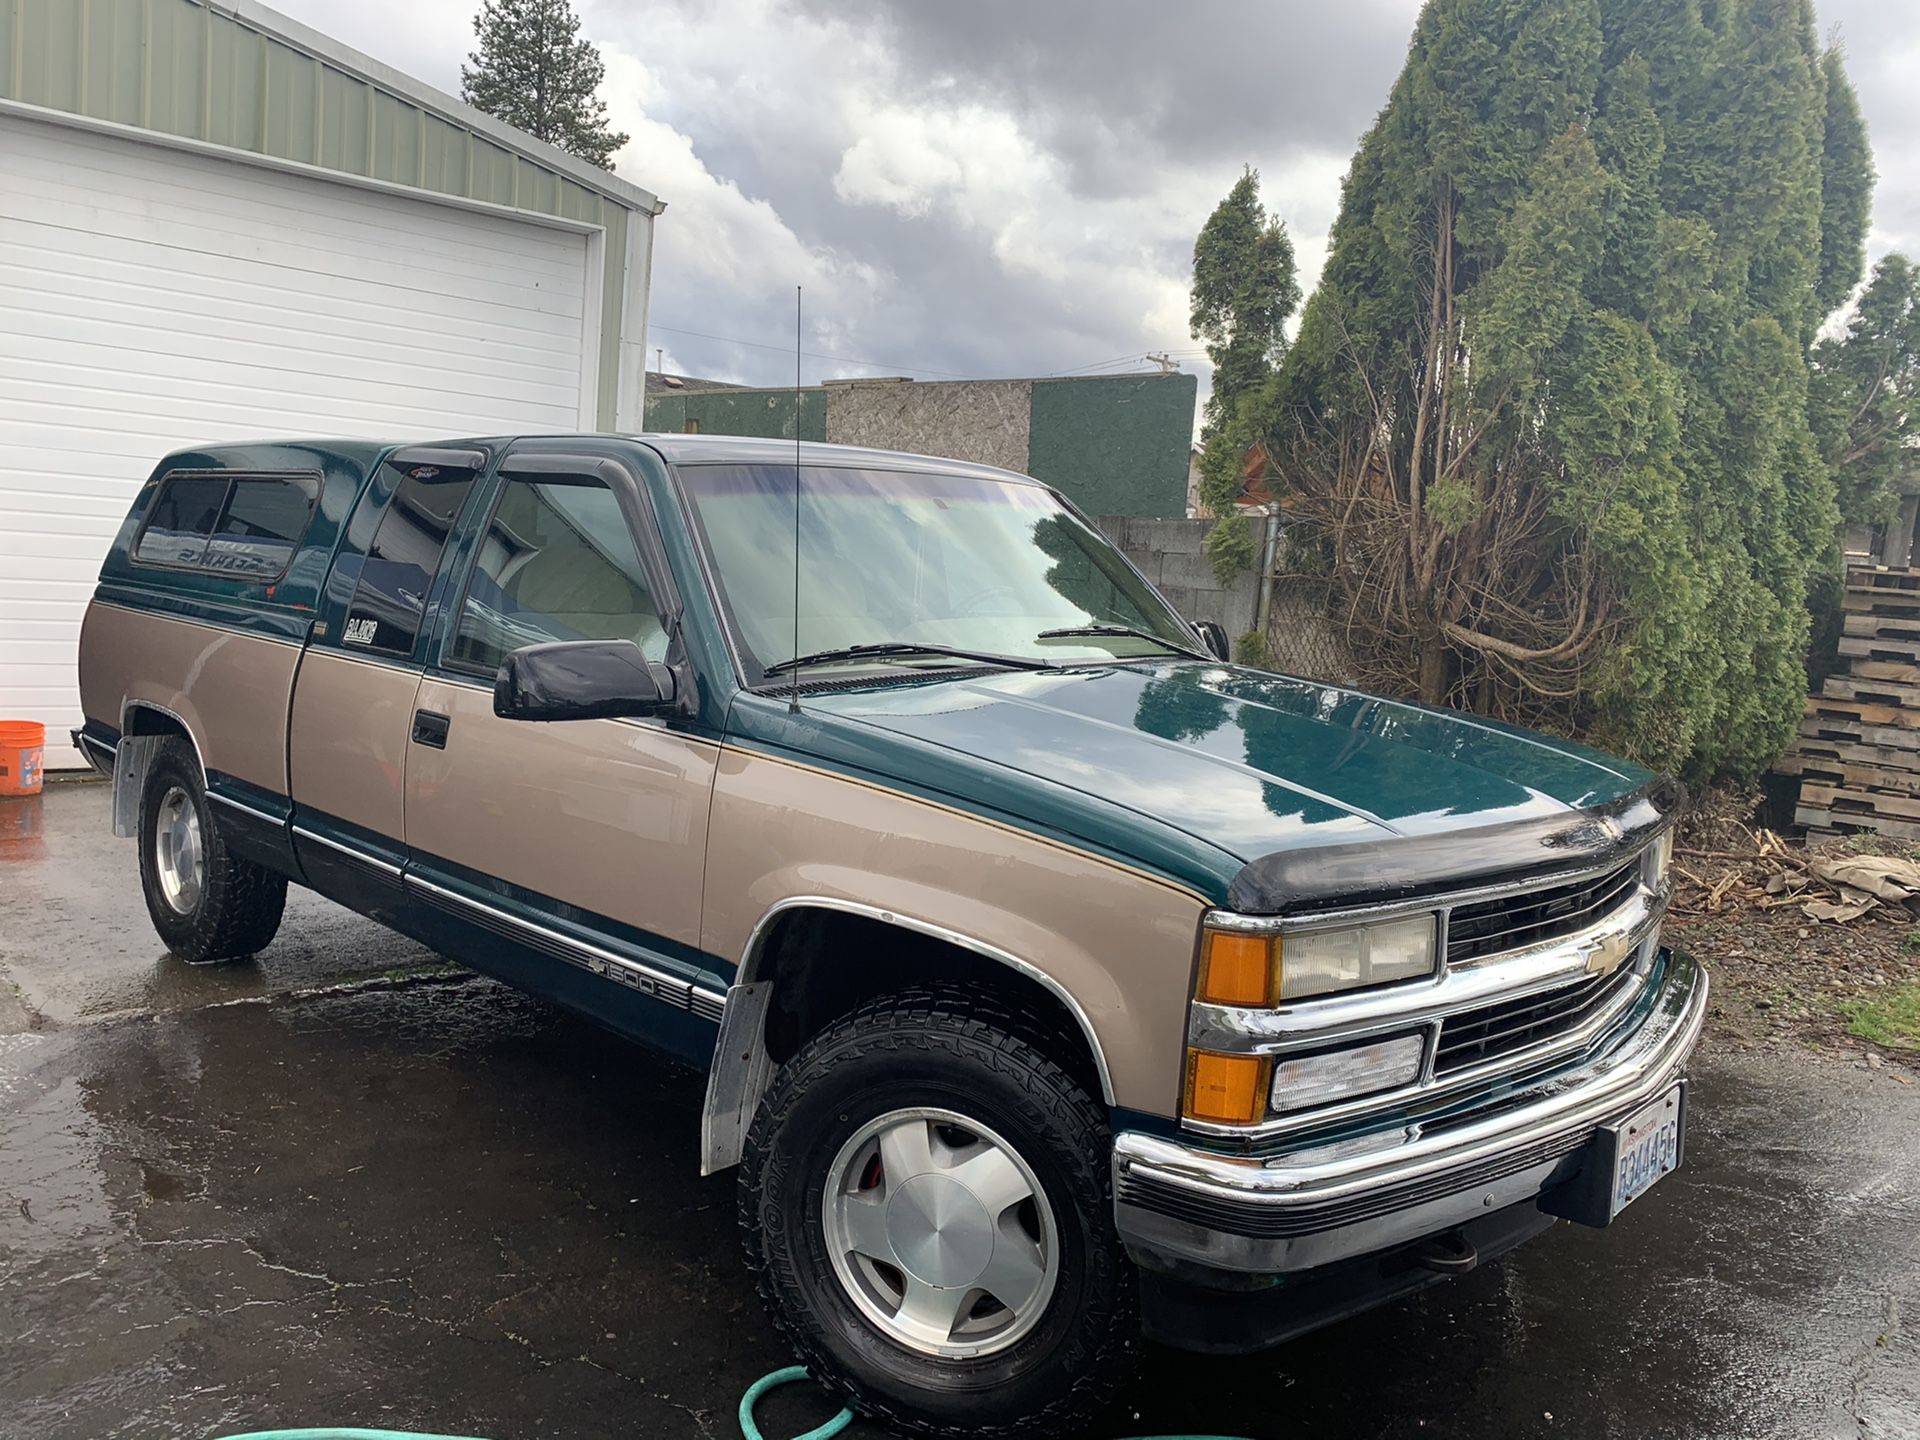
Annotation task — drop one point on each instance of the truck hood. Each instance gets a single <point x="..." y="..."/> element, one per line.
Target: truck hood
<point x="1243" y="763"/>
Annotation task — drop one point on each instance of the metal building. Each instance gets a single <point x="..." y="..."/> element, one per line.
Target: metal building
<point x="216" y="223"/>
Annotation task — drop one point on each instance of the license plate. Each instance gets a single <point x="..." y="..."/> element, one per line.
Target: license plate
<point x="1647" y="1147"/>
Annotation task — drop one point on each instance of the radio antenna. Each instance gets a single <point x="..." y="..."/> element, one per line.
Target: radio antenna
<point x="794" y="699"/>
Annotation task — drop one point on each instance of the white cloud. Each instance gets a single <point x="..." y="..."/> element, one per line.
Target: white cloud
<point x="996" y="188"/>
<point x="716" y="235"/>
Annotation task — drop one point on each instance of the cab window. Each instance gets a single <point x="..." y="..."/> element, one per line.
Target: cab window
<point x="557" y="562"/>
<point x="391" y="598"/>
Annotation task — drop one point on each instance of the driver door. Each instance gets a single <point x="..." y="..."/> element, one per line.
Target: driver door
<point x="573" y="850"/>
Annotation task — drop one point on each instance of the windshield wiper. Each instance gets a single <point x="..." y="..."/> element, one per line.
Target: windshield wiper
<point x="902" y="647"/>
<point x="1067" y="632"/>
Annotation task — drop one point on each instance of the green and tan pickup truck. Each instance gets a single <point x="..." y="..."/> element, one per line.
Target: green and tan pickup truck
<point x="1057" y="980"/>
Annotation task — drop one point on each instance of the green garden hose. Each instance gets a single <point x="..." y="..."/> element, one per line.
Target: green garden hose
<point x="749" y="1430"/>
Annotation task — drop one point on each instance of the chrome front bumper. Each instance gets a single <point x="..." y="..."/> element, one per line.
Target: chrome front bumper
<point x="1181" y="1207"/>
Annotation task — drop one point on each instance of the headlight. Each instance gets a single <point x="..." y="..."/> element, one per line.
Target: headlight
<point x="1263" y="970"/>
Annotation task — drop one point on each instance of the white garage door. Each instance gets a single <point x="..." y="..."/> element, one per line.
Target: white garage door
<point x="151" y="298"/>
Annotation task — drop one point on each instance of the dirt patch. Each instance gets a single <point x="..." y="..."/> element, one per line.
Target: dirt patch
<point x="1782" y="976"/>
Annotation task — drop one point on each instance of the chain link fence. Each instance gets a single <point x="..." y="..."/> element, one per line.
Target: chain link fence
<point x="1302" y="638"/>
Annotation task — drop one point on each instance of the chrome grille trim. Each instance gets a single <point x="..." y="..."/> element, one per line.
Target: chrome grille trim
<point x="1531" y="916"/>
<point x="1507" y="1026"/>
<point x="1575" y="984"/>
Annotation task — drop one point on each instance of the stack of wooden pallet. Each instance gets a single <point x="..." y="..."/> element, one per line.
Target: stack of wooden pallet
<point x="1858" y="755"/>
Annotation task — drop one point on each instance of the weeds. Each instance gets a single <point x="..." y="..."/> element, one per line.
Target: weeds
<point x="1891" y="1019"/>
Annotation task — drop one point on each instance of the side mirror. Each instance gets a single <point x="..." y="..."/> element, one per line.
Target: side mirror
<point x="1215" y="634"/>
<point x="580" y="680"/>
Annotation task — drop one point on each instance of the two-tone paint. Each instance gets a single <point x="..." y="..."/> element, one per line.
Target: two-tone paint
<point x="1074" y="825"/>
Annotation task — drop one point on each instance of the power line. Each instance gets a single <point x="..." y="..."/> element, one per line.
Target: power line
<point x="1130" y="357"/>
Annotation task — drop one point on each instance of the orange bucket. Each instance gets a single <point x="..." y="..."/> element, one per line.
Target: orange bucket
<point x="23" y="749"/>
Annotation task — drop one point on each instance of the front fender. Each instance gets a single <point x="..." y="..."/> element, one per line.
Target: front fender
<point x="1115" y="944"/>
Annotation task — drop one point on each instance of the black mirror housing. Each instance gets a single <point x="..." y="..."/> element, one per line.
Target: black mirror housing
<point x="1215" y="634"/>
<point x="581" y="680"/>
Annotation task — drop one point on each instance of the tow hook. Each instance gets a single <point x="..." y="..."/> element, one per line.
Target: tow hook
<point x="1448" y="1254"/>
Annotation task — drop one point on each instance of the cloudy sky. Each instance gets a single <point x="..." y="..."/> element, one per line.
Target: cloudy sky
<point x="997" y="188"/>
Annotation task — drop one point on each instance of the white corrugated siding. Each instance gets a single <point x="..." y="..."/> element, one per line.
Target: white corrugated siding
<point x="151" y="299"/>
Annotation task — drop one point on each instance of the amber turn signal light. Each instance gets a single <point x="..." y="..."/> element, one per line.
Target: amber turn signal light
<point x="1226" y="1089"/>
<point x="1236" y="969"/>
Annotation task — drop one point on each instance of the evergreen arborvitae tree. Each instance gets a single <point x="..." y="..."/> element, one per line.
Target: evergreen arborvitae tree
<point x="1244" y="288"/>
<point x="1551" y="399"/>
<point x="533" y="71"/>
<point x="1866" y="392"/>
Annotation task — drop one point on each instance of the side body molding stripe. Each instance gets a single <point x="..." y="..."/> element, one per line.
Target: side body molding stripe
<point x="597" y="959"/>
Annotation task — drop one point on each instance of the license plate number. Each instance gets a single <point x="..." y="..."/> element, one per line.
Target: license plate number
<point x="1648" y="1149"/>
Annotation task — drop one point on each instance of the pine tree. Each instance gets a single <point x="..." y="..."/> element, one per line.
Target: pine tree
<point x="533" y="71"/>
<point x="1244" y="288"/>
<point x="1551" y="400"/>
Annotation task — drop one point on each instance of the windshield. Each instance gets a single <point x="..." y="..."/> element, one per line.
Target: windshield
<point x="957" y="561"/>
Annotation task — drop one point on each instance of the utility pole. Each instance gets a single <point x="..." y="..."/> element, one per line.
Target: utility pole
<point x="1166" y="363"/>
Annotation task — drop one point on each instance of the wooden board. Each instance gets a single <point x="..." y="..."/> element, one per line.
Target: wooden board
<point x="1879" y="692"/>
<point x="1884" y="757"/>
<point x="1882" y="627"/>
<point x="1848" y="801"/>
<point x="1867" y="647"/>
<point x="1885" y="670"/>
<point x="1880" y="602"/>
<point x="1872" y="577"/>
<point x="1863" y="712"/>
<point x="1813" y="816"/>
<point x="1830" y="727"/>
<point x="1819" y="770"/>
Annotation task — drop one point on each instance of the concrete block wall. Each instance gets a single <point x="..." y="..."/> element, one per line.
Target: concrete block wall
<point x="1172" y="554"/>
<point x="1301" y="639"/>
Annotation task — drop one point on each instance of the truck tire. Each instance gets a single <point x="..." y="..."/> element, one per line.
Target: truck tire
<point x="986" y="1292"/>
<point x="207" y="903"/>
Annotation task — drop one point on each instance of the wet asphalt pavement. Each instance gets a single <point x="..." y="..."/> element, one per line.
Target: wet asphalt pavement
<point x="340" y="1186"/>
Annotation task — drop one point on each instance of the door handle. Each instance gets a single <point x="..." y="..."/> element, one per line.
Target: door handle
<point x="430" y="729"/>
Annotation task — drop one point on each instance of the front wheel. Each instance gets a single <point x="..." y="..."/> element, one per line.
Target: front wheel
<point x="925" y="1200"/>
<point x="206" y="902"/>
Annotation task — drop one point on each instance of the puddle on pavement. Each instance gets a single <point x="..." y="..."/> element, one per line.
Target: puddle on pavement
<point x="449" y="1207"/>
<point x="453" y="1208"/>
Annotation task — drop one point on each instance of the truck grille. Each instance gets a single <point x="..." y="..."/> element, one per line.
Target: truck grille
<point x="1512" y="1025"/>
<point x="1491" y="927"/>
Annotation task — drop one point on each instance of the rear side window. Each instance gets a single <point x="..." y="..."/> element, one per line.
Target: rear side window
<point x="246" y="526"/>
<point x="391" y="598"/>
<point x="181" y="519"/>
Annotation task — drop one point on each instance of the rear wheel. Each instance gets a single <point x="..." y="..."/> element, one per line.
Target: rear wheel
<point x="925" y="1201"/>
<point x="206" y="903"/>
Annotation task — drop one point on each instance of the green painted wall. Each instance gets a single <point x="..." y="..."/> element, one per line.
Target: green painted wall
<point x="1118" y="445"/>
<point x="765" y="413"/>
<point x="185" y="68"/>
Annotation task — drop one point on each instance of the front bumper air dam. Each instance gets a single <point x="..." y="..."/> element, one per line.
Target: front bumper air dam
<point x="1234" y="1222"/>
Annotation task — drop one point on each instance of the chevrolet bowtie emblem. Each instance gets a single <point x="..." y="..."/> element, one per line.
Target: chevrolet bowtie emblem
<point x="1606" y="953"/>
